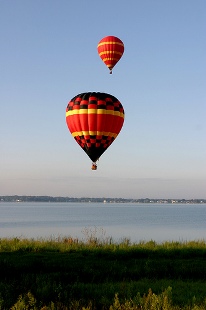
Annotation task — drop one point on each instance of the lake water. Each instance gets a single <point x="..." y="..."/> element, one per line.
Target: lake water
<point x="137" y="222"/>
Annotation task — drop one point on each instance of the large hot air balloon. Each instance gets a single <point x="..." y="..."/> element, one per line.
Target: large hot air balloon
<point x="110" y="50"/>
<point x="94" y="120"/>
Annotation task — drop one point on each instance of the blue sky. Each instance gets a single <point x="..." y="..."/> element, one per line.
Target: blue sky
<point x="48" y="55"/>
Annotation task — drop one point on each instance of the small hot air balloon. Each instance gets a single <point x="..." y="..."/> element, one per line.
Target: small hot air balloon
<point x="94" y="119"/>
<point x="110" y="49"/>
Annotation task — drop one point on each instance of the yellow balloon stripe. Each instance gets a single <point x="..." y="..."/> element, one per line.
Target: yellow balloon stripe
<point x="110" y="42"/>
<point x="109" y="52"/>
<point x="110" y="58"/>
<point x="94" y="133"/>
<point x="94" y="111"/>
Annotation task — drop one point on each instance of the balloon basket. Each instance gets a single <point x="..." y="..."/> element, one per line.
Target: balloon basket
<point x="94" y="166"/>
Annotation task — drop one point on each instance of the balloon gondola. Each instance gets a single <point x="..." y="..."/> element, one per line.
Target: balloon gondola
<point x="94" y="119"/>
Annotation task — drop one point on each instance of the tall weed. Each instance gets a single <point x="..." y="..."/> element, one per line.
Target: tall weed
<point x="148" y="301"/>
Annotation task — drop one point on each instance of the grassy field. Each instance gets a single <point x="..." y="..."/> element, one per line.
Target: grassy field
<point x="100" y="274"/>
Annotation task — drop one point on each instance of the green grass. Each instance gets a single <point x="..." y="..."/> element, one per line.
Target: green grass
<point x="98" y="273"/>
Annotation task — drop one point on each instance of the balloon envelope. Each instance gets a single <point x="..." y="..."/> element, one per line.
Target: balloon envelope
<point x="94" y="120"/>
<point x="110" y="50"/>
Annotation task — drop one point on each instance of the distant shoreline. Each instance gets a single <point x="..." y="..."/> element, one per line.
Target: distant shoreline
<point x="18" y="198"/>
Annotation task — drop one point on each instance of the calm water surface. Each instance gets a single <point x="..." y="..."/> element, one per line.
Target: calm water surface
<point x="138" y="222"/>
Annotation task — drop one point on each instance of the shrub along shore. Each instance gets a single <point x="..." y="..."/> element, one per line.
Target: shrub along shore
<point x="67" y="273"/>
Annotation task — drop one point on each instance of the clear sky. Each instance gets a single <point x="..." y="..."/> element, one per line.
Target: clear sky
<point x="49" y="54"/>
